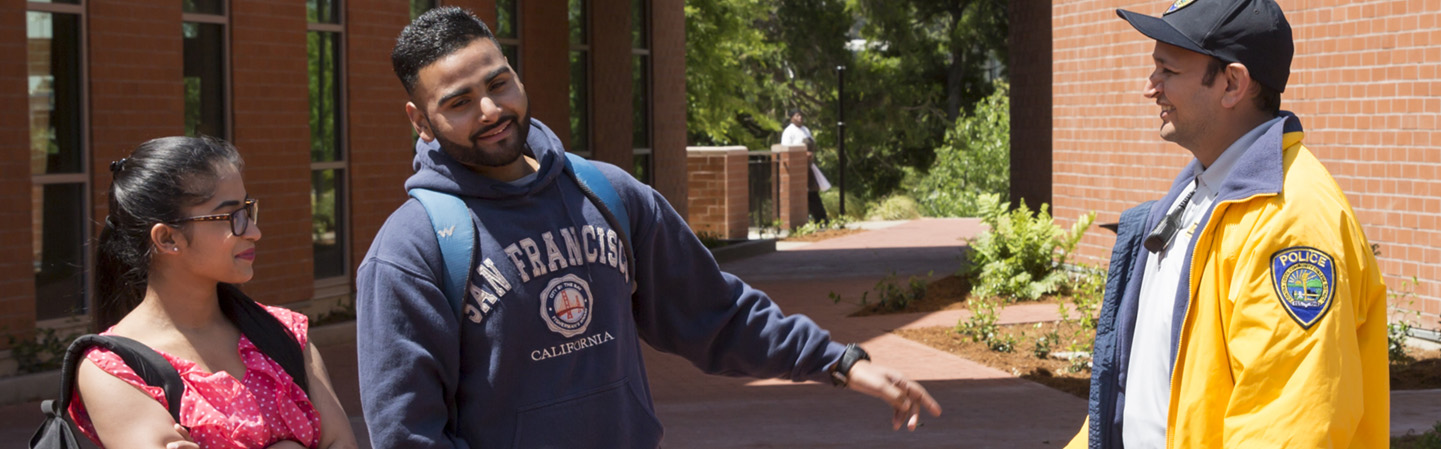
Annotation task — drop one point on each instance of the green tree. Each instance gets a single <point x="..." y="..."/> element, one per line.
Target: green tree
<point x="975" y="161"/>
<point x="730" y="65"/>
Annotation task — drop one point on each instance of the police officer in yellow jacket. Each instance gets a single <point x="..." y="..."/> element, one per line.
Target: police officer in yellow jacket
<point x="1248" y="311"/>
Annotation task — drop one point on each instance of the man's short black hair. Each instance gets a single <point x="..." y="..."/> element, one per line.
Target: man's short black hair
<point x="792" y="113"/>
<point x="1268" y="100"/>
<point x="434" y="35"/>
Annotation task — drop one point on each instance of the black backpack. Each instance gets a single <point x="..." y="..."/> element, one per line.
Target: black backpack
<point x="259" y="326"/>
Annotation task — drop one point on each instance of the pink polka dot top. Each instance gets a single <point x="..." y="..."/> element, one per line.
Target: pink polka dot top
<point x="263" y="408"/>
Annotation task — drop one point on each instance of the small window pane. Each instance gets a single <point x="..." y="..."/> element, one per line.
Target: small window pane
<point x="512" y="55"/>
<point x="327" y="222"/>
<point x="204" y="79"/>
<point x="418" y="7"/>
<point x="216" y="7"/>
<point x="54" y="88"/>
<point x="505" y="15"/>
<point x="579" y="104"/>
<point x="322" y="11"/>
<point x="639" y="24"/>
<point x="642" y="167"/>
<point x="59" y="250"/>
<point x="578" y="19"/>
<point x="640" y="77"/>
<point x="324" y="51"/>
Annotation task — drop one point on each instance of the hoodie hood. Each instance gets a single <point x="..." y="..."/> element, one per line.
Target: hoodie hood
<point x="435" y="170"/>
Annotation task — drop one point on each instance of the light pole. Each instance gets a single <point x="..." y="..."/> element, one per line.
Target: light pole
<point x="841" y="133"/>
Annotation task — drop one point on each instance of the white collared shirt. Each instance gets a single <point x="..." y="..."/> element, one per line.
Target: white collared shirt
<point x="1148" y="374"/>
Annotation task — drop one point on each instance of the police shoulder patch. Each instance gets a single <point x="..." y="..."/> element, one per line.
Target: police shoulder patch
<point x="1178" y="5"/>
<point x="1305" y="282"/>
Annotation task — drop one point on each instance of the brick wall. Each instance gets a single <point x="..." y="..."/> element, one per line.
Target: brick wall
<point x="270" y="107"/>
<point x="718" y="190"/>
<point x="17" y="282"/>
<point x="794" y="169"/>
<point x="1364" y="83"/>
<point x="377" y="130"/>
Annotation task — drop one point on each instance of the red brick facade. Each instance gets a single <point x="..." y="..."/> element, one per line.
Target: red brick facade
<point x="17" y="286"/>
<point x="134" y="92"/>
<point x="1364" y="83"/>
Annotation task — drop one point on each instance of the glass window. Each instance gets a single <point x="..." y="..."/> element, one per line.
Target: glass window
<point x="204" y="77"/>
<point x="59" y="250"/>
<point x="324" y="51"/>
<point x="640" y="110"/>
<point x="327" y="144"/>
<point x="322" y="11"/>
<point x="579" y="77"/>
<point x="57" y="161"/>
<point x="216" y="7"/>
<point x="327" y="208"/>
<point x="579" y="104"/>
<point x="507" y="31"/>
<point x="505" y="19"/>
<point x="640" y="89"/>
<point x="418" y="7"/>
<point x="54" y="87"/>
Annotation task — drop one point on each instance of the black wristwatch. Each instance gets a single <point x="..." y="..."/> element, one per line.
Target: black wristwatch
<point x="841" y="371"/>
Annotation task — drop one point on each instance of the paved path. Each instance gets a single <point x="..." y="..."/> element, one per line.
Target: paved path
<point x="984" y="408"/>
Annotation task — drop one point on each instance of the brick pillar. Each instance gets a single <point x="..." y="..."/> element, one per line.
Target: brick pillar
<point x="545" y="54"/>
<point x="792" y="180"/>
<point x="668" y="135"/>
<point x="377" y="130"/>
<point x="1030" y="102"/>
<point x="612" y="117"/>
<point x="17" y="302"/>
<point x="719" y="197"/>
<point x="271" y="112"/>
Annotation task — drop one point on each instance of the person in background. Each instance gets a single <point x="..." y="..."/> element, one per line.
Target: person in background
<point x="796" y="133"/>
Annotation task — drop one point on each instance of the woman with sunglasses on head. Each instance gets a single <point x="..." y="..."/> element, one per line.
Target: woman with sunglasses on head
<point x="181" y="232"/>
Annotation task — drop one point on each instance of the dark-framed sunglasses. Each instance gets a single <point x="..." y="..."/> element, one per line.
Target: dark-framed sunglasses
<point x="239" y="220"/>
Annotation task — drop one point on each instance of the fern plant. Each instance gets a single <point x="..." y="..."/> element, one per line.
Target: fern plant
<point x="1020" y="256"/>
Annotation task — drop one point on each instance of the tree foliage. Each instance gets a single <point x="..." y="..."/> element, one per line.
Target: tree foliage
<point x="975" y="161"/>
<point x="912" y="68"/>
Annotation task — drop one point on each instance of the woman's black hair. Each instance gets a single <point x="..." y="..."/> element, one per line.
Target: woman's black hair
<point x="153" y="185"/>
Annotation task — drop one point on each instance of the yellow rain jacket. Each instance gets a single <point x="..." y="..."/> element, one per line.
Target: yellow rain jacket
<point x="1283" y="341"/>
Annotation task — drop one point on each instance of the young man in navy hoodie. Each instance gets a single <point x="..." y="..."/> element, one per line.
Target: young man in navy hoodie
<point x="546" y="350"/>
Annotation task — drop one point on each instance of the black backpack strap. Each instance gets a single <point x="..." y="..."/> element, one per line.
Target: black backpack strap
<point x="265" y="332"/>
<point x="152" y="367"/>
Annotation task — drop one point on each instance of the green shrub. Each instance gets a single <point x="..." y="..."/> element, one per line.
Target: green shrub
<point x="855" y="208"/>
<point x="45" y="352"/>
<point x="895" y="207"/>
<point x="891" y="295"/>
<point x="983" y="326"/>
<point x="1399" y="326"/>
<point x="812" y="227"/>
<point x="1431" y="439"/>
<point x="974" y="161"/>
<point x="1087" y="288"/>
<point x="1020" y="256"/>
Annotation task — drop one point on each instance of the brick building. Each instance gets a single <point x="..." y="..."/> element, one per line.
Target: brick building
<point x="1364" y="82"/>
<point x="305" y="90"/>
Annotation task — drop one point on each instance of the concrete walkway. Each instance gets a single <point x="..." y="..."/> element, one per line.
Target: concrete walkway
<point x="984" y="407"/>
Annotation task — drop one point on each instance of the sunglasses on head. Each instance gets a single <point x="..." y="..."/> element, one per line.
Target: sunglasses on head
<point x="239" y="220"/>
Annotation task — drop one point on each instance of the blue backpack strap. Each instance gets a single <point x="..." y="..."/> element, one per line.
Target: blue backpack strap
<point x="456" y="235"/>
<point x="591" y="177"/>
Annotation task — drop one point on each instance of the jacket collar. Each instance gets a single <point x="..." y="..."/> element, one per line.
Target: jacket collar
<point x="1258" y="172"/>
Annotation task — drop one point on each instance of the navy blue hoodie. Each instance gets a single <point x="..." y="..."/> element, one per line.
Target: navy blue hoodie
<point x="547" y="351"/>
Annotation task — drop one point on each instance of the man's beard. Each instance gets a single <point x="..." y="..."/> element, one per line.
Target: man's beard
<point x="504" y="154"/>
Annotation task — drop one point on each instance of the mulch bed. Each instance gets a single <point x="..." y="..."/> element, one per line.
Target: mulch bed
<point x="824" y="235"/>
<point x="952" y="293"/>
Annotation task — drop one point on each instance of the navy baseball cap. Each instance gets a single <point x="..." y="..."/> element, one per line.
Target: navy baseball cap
<point x="1252" y="32"/>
